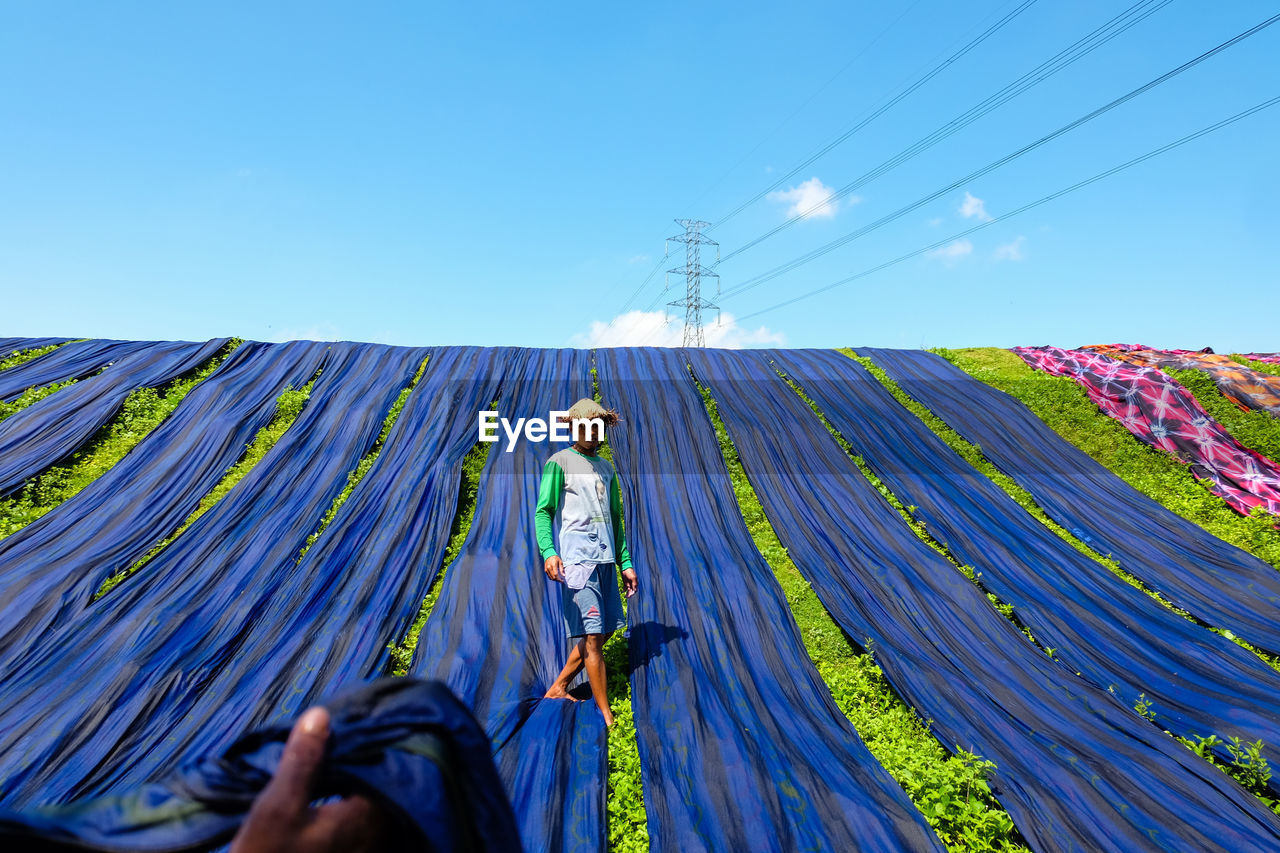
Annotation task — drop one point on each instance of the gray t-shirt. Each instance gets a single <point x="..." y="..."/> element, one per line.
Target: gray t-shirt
<point x="583" y="522"/>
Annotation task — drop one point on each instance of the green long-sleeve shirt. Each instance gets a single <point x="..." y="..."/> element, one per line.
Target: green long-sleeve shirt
<point x="572" y="511"/>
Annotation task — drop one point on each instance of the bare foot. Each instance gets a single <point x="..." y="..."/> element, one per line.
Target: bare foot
<point x="556" y="692"/>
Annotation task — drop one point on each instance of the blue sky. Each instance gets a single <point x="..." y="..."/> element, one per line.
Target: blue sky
<point x="507" y="174"/>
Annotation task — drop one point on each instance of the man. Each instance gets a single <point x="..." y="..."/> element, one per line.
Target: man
<point x="579" y="525"/>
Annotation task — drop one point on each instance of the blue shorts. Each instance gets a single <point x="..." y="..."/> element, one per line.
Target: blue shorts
<point x="597" y="607"/>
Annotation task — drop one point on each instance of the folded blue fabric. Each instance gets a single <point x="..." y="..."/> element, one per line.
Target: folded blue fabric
<point x="406" y="743"/>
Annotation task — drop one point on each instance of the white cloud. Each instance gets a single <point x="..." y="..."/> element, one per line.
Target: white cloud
<point x="954" y="251"/>
<point x="638" y="259"/>
<point x="935" y="222"/>
<point x="974" y="208"/>
<point x="387" y="336"/>
<point x="647" y="328"/>
<point x="318" y="332"/>
<point x="812" y="199"/>
<point x="1010" y="251"/>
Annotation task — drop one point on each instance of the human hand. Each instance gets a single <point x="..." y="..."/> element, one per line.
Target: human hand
<point x="282" y="819"/>
<point x="630" y="582"/>
<point x="554" y="568"/>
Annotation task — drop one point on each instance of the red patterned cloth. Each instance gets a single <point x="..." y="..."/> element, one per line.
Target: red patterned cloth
<point x="1159" y="411"/>
<point x="1267" y="357"/>
<point x="1247" y="388"/>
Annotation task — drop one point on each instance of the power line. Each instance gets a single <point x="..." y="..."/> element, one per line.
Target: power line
<point x="990" y="167"/>
<point x="934" y="72"/>
<point x="807" y="101"/>
<point x="1076" y="186"/>
<point x="653" y="303"/>
<point x="640" y="288"/>
<point x="647" y="279"/>
<point x="1112" y="29"/>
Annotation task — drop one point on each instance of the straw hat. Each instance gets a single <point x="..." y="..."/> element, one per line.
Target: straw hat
<point x="587" y="408"/>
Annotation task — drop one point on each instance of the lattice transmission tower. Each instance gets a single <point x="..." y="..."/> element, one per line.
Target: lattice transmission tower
<point x="693" y="272"/>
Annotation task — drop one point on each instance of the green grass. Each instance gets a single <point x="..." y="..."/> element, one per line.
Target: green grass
<point x="288" y="406"/>
<point x="29" y="397"/>
<point x="19" y="356"/>
<point x="1067" y="409"/>
<point x="1257" y="431"/>
<point x="624" y="796"/>
<point x="142" y="411"/>
<point x="1260" y="366"/>
<point x="1246" y="766"/>
<point x="950" y="789"/>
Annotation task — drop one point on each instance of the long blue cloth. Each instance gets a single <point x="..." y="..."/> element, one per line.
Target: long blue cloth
<point x="1075" y="768"/>
<point x="82" y="689"/>
<point x="1198" y="682"/>
<point x="75" y="360"/>
<point x="328" y="621"/>
<point x="1214" y="581"/>
<point x="51" y="568"/>
<point x="496" y="636"/>
<point x="408" y="745"/>
<point x="48" y="431"/>
<point x="741" y="744"/>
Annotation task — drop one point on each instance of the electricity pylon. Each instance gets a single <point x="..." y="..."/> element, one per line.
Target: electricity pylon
<point x="693" y="272"/>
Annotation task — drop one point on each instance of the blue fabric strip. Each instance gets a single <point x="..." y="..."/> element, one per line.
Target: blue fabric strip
<point x="495" y="634"/>
<point x="73" y="361"/>
<point x="741" y="744"/>
<point x="1075" y="768"/>
<point x="1210" y="579"/>
<point x="1198" y="682"/>
<point x="51" y="568"/>
<point x="13" y="346"/>
<point x="90" y="706"/>
<point x="360" y="585"/>
<point x="48" y="431"/>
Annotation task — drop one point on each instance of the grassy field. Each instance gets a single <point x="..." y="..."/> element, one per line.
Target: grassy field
<point x="1260" y="366"/>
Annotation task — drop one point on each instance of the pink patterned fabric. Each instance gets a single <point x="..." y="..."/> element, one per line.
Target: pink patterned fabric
<point x="1267" y="357"/>
<point x="1247" y="388"/>
<point x="1162" y="413"/>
